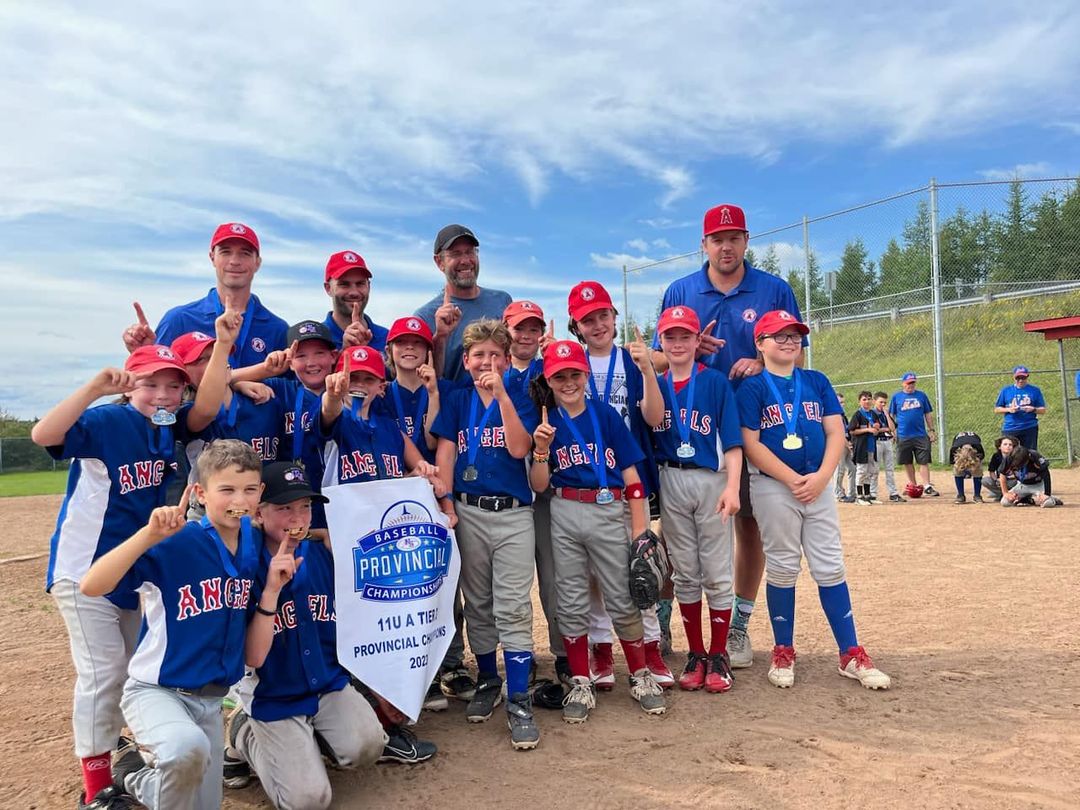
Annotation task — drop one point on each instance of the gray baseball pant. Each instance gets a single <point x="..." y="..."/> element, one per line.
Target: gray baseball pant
<point x="184" y="736"/>
<point x="545" y="571"/>
<point x="846" y="467"/>
<point x="886" y="459"/>
<point x="790" y="530"/>
<point x="102" y="638"/>
<point x="1024" y="491"/>
<point x="699" y="541"/>
<point x="600" y="622"/>
<point x="288" y="759"/>
<point x="498" y="557"/>
<point x="867" y="473"/>
<point x="590" y="534"/>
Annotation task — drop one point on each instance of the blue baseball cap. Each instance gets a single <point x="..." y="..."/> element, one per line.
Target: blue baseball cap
<point x="1020" y="371"/>
<point x="908" y="376"/>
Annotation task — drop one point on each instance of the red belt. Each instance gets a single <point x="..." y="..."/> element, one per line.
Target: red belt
<point x="586" y="495"/>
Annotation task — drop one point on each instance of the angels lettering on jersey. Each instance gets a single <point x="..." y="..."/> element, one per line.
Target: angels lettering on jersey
<point x="305" y="422"/>
<point x="319" y="606"/>
<point x="363" y="465"/>
<point x="141" y="475"/>
<point x="210" y="595"/>
<point x="491" y="437"/>
<point x="699" y="422"/>
<point x="770" y="416"/>
<point x="571" y="455"/>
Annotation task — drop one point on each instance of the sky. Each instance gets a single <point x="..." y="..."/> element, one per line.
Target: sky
<point x="573" y="138"/>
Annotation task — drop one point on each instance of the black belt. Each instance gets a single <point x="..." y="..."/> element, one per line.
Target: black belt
<point x="489" y="503"/>
<point x="681" y="465"/>
<point x="211" y="690"/>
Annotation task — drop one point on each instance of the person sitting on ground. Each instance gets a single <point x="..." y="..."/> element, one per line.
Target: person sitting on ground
<point x="1032" y="472"/>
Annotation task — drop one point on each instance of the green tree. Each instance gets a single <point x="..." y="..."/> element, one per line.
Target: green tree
<point x="855" y="279"/>
<point x="751" y="259"/>
<point x="796" y="278"/>
<point x="1012" y="238"/>
<point x="770" y="262"/>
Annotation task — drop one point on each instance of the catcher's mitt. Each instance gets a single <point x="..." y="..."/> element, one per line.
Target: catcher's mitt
<point x="649" y="565"/>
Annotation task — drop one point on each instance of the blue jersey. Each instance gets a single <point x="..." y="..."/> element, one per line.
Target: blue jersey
<point x="359" y="450"/>
<point x="260" y="426"/>
<point x="498" y="473"/>
<point x="712" y="420"/>
<point x="864" y="445"/>
<point x="908" y="412"/>
<point x="735" y="312"/>
<point x="413" y="415"/>
<point x="624" y="389"/>
<point x="573" y="465"/>
<point x="121" y="468"/>
<point x="197" y="599"/>
<point x="517" y="381"/>
<point x="1015" y="395"/>
<point x="303" y="407"/>
<point x="759" y="410"/>
<point x="378" y="333"/>
<point x="302" y="663"/>
<point x="261" y="333"/>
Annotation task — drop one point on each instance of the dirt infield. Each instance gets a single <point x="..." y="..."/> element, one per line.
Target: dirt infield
<point x="970" y="608"/>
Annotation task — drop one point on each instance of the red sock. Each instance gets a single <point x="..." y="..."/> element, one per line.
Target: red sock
<point x="96" y="774"/>
<point x="720" y="621"/>
<point x="691" y="622"/>
<point x="635" y="654"/>
<point x="577" y="655"/>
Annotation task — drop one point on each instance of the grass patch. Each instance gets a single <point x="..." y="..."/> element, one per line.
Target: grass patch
<point x="986" y="338"/>
<point x="49" y="482"/>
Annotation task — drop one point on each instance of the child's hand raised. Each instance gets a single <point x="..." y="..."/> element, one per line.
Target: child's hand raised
<point x="110" y="381"/>
<point x="278" y="362"/>
<point x="139" y="333"/>
<point x="544" y="434"/>
<point x="337" y="384"/>
<point x="165" y="521"/>
<point x="492" y="382"/>
<point x="548" y="337"/>
<point x="640" y="353"/>
<point x="282" y="569"/>
<point x="426" y="372"/>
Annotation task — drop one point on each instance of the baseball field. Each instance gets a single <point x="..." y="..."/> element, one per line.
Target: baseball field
<point x="970" y="608"/>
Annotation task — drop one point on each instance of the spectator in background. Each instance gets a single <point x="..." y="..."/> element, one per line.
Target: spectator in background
<point x="846" y="467"/>
<point x="1022" y="405"/>
<point x="910" y="410"/>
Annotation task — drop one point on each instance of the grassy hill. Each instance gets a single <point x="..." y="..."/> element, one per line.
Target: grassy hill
<point x="988" y="339"/>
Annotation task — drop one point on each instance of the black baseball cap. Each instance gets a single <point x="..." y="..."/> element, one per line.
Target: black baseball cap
<point x="286" y="482"/>
<point x="310" y="330"/>
<point x="448" y="234"/>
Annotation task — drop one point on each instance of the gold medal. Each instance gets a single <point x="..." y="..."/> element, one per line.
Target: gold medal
<point x="792" y="442"/>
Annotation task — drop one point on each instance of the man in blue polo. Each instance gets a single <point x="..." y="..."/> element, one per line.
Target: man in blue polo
<point x="910" y="410"/>
<point x="729" y="295"/>
<point x="1022" y="405"/>
<point x="348" y="283"/>
<point x="234" y="253"/>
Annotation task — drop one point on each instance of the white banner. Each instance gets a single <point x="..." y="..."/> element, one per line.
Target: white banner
<point x="395" y="571"/>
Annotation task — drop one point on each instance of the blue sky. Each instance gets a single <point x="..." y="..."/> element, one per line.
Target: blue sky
<point x="572" y="137"/>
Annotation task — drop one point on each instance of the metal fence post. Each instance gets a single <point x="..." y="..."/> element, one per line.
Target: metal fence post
<point x="626" y="307"/>
<point x="806" y="286"/>
<point x="1065" y="403"/>
<point x="939" y="351"/>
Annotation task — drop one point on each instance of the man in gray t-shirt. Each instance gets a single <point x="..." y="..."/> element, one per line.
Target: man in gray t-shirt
<point x="462" y="301"/>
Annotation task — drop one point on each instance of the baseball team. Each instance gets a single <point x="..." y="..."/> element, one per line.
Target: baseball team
<point x="552" y="459"/>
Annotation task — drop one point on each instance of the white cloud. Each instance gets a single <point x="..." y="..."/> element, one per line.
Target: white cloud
<point x="640" y="245"/>
<point x="1021" y="171"/>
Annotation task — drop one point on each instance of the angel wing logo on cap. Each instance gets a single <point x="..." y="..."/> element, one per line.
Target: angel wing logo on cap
<point x="200" y="336"/>
<point x="563" y="351"/>
<point x="678" y="312"/>
<point x="360" y="354"/>
<point x="526" y="305"/>
<point x="725" y="216"/>
<point x="236" y="227"/>
<point x="350" y="257"/>
<point x="412" y="325"/>
<point x="165" y="354"/>
<point x="784" y="315"/>
<point x="587" y="294"/>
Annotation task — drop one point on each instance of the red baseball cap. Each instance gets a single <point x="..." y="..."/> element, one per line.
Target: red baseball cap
<point x="519" y="311"/>
<point x="362" y="358"/>
<point x="189" y="348"/>
<point x="564" y="354"/>
<point x="410" y="326"/>
<point x="234" y="230"/>
<point x="679" y="317"/>
<point x="724" y="218"/>
<point x="586" y="297"/>
<point x="148" y="359"/>
<point x="777" y="321"/>
<point x="341" y="263"/>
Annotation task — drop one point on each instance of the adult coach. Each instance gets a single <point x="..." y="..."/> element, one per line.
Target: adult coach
<point x="1022" y="405"/>
<point x="234" y="253"/>
<point x="910" y="410"/>
<point x="729" y="295"/>
<point x="348" y="283"/>
<point x="462" y="301"/>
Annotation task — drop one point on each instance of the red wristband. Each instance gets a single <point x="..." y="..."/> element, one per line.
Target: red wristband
<point x="635" y="492"/>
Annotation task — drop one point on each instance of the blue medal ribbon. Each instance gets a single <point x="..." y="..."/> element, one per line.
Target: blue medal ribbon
<point x="610" y="377"/>
<point x="790" y="421"/>
<point x="159" y="441"/>
<point x="229" y="416"/>
<point x="683" y="424"/>
<point x="298" y="425"/>
<point x="597" y="460"/>
<point x="418" y="419"/>
<point x="244" y="553"/>
<point x="473" y="432"/>
<point x="245" y="327"/>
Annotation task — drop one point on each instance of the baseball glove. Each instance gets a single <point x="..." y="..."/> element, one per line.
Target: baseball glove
<point x="913" y="490"/>
<point x="649" y="565"/>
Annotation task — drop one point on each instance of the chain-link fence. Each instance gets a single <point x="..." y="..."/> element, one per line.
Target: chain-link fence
<point x="938" y="280"/>
<point x="20" y="454"/>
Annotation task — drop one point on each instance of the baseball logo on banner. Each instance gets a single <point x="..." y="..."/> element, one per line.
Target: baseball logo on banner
<point x="395" y="572"/>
